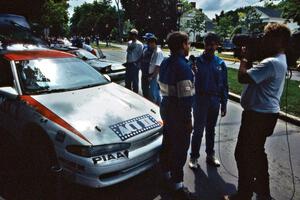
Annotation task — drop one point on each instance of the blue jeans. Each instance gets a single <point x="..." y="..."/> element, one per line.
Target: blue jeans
<point x="206" y="111"/>
<point x="154" y="91"/>
<point x="132" y="77"/>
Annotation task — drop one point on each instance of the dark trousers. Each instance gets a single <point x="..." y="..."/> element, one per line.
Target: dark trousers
<point x="206" y="111"/>
<point x="176" y="141"/>
<point x="145" y="85"/>
<point x="251" y="159"/>
<point x="132" y="77"/>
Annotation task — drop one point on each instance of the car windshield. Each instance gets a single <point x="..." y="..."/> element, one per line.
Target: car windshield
<point x="56" y="75"/>
<point x="85" y="54"/>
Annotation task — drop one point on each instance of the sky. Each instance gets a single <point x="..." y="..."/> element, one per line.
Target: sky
<point x="210" y="7"/>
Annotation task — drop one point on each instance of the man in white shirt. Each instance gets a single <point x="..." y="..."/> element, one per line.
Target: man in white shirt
<point x="134" y="54"/>
<point x="261" y="103"/>
<point x="151" y="60"/>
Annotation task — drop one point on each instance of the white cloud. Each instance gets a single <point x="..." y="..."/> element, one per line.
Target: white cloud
<point x="212" y="7"/>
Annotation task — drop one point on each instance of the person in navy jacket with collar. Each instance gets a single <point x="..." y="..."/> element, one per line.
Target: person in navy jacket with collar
<point x="176" y="81"/>
<point x="211" y="94"/>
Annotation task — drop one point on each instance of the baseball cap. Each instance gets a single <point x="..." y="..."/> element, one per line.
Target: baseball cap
<point x="149" y="36"/>
<point x="134" y="31"/>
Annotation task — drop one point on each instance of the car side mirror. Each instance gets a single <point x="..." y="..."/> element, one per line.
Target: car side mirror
<point x="84" y="58"/>
<point x="107" y="77"/>
<point x="103" y="57"/>
<point x="9" y="92"/>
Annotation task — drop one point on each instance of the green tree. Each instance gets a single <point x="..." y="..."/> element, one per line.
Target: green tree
<point x="291" y="9"/>
<point x="157" y="16"/>
<point x="224" y="27"/>
<point x="94" y="18"/>
<point x="197" y="23"/>
<point x="56" y="17"/>
<point x="250" y="21"/>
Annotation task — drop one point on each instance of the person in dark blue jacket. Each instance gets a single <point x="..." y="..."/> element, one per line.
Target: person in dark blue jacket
<point x="176" y="81"/>
<point x="211" y="92"/>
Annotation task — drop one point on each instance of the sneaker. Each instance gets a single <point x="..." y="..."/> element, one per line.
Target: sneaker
<point x="184" y="194"/>
<point x="193" y="163"/>
<point x="213" y="161"/>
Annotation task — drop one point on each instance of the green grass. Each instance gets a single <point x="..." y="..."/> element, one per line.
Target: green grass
<point x="293" y="100"/>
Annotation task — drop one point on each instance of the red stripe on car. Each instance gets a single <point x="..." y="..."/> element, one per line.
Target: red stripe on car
<point x="31" y="55"/>
<point x="43" y="110"/>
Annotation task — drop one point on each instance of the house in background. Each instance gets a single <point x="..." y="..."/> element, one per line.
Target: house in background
<point x="273" y="15"/>
<point x="187" y="17"/>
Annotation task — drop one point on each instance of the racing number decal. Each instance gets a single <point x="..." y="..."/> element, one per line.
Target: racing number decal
<point x="135" y="126"/>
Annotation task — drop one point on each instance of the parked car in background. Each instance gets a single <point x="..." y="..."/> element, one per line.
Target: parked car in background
<point x="15" y="29"/>
<point x="115" y="70"/>
<point x="227" y="45"/>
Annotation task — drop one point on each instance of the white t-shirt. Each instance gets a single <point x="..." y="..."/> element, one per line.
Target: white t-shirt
<point x="156" y="59"/>
<point x="269" y="77"/>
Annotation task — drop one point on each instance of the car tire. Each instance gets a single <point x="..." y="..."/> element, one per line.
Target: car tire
<point x="39" y="158"/>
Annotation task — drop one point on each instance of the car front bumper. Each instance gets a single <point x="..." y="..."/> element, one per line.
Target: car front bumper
<point x="120" y="75"/>
<point x="83" y="171"/>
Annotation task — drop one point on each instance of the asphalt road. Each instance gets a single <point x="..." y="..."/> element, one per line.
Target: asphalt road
<point x="209" y="183"/>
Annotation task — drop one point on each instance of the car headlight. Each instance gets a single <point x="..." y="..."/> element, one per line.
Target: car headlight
<point x="91" y="151"/>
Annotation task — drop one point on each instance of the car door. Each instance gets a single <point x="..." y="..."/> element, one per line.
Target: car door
<point x="8" y="103"/>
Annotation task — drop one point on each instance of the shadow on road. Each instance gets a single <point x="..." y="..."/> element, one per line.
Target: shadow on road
<point x="211" y="186"/>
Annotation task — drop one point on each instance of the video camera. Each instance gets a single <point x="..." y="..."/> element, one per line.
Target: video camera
<point x="257" y="52"/>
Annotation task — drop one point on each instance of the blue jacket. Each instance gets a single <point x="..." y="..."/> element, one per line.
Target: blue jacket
<point x="211" y="79"/>
<point x="176" y="81"/>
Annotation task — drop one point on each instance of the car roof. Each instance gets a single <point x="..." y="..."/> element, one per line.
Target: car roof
<point x="35" y="54"/>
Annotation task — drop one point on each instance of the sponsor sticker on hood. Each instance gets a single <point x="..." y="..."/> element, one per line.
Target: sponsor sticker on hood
<point x="135" y="126"/>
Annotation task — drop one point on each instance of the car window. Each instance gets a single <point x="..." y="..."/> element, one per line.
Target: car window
<point x="55" y="75"/>
<point x="6" y="77"/>
<point x="85" y="54"/>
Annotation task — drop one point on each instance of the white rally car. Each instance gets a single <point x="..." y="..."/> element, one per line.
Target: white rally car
<point x="60" y="110"/>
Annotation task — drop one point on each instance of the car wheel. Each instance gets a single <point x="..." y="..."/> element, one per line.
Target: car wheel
<point x="39" y="158"/>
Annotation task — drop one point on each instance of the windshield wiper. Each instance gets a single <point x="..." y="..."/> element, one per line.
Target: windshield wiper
<point x="90" y="85"/>
<point x="47" y="91"/>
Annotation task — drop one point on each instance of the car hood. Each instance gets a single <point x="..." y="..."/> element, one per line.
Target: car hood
<point x="114" y="65"/>
<point x="104" y="114"/>
<point x="97" y="64"/>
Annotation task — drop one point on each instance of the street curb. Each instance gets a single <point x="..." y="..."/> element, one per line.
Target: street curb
<point x="282" y="115"/>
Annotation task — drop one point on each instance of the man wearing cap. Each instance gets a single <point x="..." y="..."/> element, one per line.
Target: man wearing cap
<point x="211" y="91"/>
<point x="134" y="54"/>
<point x="151" y="60"/>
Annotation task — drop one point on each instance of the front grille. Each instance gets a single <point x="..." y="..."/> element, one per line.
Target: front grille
<point x="144" y="141"/>
<point x="111" y="175"/>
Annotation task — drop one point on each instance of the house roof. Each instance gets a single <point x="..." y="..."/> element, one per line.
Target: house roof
<point x="270" y="12"/>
